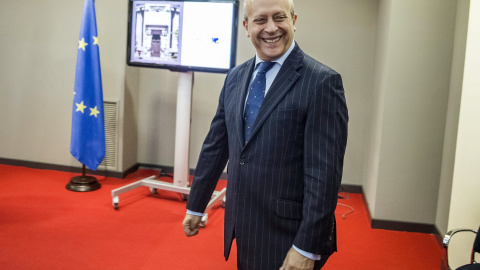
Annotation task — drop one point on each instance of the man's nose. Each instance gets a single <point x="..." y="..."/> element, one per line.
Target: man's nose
<point x="271" y="26"/>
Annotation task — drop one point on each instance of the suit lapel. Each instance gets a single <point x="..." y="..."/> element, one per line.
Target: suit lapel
<point x="284" y="81"/>
<point x="241" y="92"/>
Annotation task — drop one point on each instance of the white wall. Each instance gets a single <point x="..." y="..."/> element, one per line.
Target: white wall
<point x="414" y="46"/>
<point x="120" y="83"/>
<point x="343" y="37"/>
<point x="451" y="126"/>
<point x="465" y="202"/>
<point x="374" y="131"/>
<point x="37" y="73"/>
<point x="38" y="55"/>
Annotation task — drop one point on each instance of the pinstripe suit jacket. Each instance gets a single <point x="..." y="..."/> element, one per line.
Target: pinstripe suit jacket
<point x="283" y="182"/>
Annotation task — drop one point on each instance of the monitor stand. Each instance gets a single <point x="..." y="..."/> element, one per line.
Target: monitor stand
<point x="181" y="171"/>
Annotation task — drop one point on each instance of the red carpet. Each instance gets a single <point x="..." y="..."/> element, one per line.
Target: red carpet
<point x="45" y="226"/>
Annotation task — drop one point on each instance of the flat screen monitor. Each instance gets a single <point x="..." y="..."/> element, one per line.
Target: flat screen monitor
<point x="198" y="35"/>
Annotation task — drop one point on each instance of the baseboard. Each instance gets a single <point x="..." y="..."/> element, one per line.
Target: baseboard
<point x="351" y="189"/>
<point x="165" y="169"/>
<point x="393" y="225"/>
<point x="64" y="168"/>
<point x="403" y="226"/>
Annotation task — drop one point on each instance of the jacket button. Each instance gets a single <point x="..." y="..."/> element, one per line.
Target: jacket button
<point x="242" y="162"/>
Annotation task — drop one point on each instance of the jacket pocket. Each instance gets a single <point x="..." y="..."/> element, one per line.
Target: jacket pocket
<point x="289" y="209"/>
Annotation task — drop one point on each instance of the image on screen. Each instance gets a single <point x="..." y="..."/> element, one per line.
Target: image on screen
<point x="183" y="35"/>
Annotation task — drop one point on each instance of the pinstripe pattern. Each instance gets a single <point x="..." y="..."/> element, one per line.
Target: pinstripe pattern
<point x="283" y="182"/>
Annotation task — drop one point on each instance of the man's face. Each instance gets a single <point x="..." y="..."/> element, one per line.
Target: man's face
<point x="270" y="26"/>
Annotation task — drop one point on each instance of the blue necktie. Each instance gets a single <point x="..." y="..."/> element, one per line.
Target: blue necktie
<point x="255" y="97"/>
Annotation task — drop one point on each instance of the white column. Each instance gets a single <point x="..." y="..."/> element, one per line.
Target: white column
<point x="182" y="129"/>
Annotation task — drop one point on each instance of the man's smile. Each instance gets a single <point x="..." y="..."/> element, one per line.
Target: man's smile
<point x="271" y="40"/>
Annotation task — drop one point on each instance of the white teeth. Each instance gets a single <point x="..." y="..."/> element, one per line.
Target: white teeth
<point x="272" y="40"/>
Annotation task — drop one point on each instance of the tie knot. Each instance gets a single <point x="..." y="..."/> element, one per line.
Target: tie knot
<point x="265" y="66"/>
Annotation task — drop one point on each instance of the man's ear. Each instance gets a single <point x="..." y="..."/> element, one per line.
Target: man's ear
<point x="294" y="20"/>
<point x="245" y="24"/>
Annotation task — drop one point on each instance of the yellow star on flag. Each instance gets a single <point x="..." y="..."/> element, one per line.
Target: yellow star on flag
<point x="95" y="40"/>
<point x="82" y="44"/>
<point x="80" y="106"/>
<point x="94" y="111"/>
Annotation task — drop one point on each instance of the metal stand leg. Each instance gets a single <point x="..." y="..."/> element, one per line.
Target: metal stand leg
<point x="153" y="185"/>
<point x="182" y="145"/>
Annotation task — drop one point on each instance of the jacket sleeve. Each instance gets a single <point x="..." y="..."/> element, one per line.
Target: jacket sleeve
<point x="212" y="160"/>
<point x="325" y="142"/>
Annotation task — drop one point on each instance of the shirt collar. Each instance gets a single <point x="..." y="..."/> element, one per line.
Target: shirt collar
<point x="280" y="60"/>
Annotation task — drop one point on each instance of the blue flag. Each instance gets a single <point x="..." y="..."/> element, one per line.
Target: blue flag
<point x="88" y="132"/>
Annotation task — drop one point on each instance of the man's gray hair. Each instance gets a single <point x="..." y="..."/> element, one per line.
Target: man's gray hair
<point x="245" y="16"/>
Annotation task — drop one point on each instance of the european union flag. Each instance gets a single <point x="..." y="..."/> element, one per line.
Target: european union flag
<point x="88" y="132"/>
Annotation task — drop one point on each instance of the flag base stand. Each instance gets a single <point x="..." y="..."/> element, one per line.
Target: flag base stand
<point x="83" y="183"/>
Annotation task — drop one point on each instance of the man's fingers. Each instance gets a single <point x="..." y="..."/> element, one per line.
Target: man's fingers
<point x="192" y="224"/>
<point x="189" y="232"/>
<point x="188" y="229"/>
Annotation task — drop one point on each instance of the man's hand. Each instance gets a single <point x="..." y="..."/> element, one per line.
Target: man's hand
<point x="296" y="261"/>
<point x="191" y="224"/>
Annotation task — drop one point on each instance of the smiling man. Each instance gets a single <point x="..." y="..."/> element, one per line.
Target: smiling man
<point x="270" y="26"/>
<point x="281" y="124"/>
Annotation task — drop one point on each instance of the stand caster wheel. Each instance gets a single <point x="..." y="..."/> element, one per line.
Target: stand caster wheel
<point x="115" y="201"/>
<point x="224" y="201"/>
<point x="184" y="197"/>
<point x="153" y="191"/>
<point x="205" y="219"/>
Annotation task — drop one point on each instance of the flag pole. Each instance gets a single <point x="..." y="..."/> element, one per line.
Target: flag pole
<point x="83" y="183"/>
<point x="87" y="143"/>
